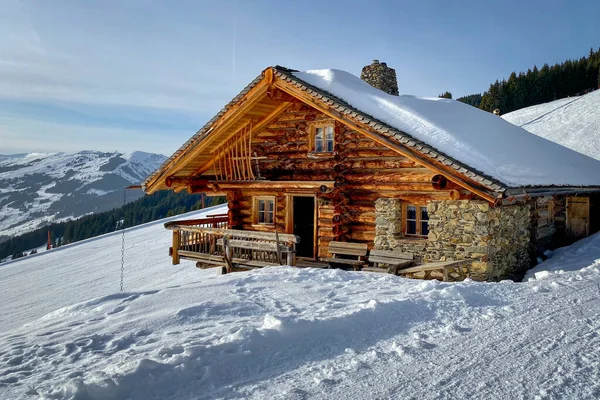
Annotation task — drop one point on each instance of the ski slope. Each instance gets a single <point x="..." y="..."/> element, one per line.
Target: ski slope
<point x="66" y="332"/>
<point x="573" y="122"/>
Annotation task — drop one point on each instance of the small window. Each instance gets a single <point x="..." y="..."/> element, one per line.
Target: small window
<point x="264" y="210"/>
<point x="323" y="138"/>
<point x="416" y="220"/>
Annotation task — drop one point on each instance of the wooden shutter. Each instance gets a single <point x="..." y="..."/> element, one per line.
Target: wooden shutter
<point x="578" y="216"/>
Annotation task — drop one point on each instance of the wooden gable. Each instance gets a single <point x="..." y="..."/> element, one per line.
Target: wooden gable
<point x="225" y="149"/>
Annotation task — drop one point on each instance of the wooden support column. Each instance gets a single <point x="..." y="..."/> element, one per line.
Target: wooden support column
<point x="176" y="244"/>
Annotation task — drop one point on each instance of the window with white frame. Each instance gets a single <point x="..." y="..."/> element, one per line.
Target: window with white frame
<point x="264" y="210"/>
<point x="323" y="138"/>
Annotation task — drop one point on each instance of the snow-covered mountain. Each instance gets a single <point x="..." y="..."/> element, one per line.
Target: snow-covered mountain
<point x="573" y="122"/>
<point x="38" y="188"/>
<point x="177" y="332"/>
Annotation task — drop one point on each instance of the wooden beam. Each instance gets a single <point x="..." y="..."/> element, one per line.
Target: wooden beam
<point x="367" y="131"/>
<point x="171" y="181"/>
<point x="218" y="186"/>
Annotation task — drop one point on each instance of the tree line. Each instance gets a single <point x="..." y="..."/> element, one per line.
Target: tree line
<point x="158" y="205"/>
<point x="537" y="86"/>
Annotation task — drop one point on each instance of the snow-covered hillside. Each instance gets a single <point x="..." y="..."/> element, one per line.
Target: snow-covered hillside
<point x="39" y="188"/>
<point x="286" y="333"/>
<point x="573" y="122"/>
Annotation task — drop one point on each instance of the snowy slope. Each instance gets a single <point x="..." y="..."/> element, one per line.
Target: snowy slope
<point x="39" y="188"/>
<point x="573" y="122"/>
<point x="477" y="138"/>
<point x="286" y="333"/>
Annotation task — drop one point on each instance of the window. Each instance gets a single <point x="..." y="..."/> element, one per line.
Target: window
<point x="264" y="210"/>
<point x="416" y="220"/>
<point x="323" y="139"/>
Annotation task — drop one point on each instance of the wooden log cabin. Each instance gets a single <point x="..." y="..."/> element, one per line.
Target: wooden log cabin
<point x="326" y="157"/>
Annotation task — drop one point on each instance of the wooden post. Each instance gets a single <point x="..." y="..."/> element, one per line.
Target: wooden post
<point x="290" y="255"/>
<point x="227" y="254"/>
<point x="176" y="243"/>
<point x="277" y="245"/>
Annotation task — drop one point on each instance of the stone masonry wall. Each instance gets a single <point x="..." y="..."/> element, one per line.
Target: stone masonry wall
<point x="497" y="240"/>
<point x="388" y="222"/>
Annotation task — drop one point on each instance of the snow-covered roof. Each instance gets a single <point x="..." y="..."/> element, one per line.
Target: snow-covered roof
<point x="478" y="139"/>
<point x="475" y="144"/>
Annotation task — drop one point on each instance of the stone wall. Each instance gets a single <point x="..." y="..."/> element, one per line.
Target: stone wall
<point x="380" y="76"/>
<point x="388" y="222"/>
<point x="496" y="239"/>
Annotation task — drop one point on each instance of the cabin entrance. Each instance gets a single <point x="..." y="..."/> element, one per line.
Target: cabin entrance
<point x="578" y="217"/>
<point x="303" y="224"/>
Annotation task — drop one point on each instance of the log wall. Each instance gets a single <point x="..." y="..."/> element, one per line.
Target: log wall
<point x="362" y="169"/>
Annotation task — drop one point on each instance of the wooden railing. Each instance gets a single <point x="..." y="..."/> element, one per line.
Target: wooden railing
<point x="207" y="241"/>
<point x="187" y="239"/>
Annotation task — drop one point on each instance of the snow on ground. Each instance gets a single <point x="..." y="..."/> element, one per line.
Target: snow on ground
<point x="573" y="122"/>
<point x="477" y="138"/>
<point x="286" y="333"/>
<point x="582" y="254"/>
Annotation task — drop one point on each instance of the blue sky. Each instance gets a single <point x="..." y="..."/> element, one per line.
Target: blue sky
<point x="145" y="75"/>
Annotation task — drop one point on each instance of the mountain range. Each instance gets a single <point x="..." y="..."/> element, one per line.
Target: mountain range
<point x="40" y="188"/>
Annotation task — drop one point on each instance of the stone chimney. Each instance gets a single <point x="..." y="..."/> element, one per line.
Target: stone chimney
<point x="380" y="76"/>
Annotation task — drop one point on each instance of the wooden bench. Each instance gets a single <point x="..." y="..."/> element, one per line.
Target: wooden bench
<point x="394" y="259"/>
<point x="445" y="267"/>
<point x="236" y="259"/>
<point x="342" y="251"/>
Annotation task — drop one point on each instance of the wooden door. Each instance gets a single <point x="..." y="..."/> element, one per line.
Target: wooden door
<point x="303" y="220"/>
<point x="578" y="217"/>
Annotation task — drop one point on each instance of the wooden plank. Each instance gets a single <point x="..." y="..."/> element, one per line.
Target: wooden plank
<point x="392" y="254"/>
<point x="347" y="252"/>
<point x="259" y="246"/>
<point x="271" y="185"/>
<point x="252" y="263"/>
<point x="332" y="260"/>
<point x="389" y="260"/>
<point x="374" y="269"/>
<point x="348" y="245"/>
<point x="432" y="266"/>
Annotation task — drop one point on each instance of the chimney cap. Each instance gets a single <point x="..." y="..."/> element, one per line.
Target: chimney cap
<point x="375" y="61"/>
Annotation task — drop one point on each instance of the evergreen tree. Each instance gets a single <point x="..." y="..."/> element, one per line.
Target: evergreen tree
<point x="445" y="95"/>
<point x="472" y="99"/>
<point x="570" y="78"/>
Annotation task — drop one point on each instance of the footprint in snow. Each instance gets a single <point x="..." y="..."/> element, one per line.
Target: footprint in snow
<point x="53" y="332"/>
<point x="117" y="310"/>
